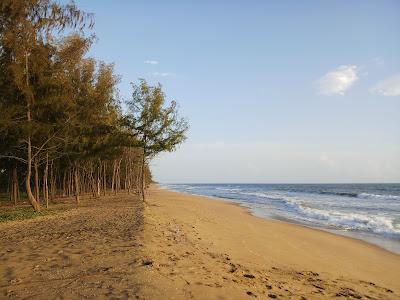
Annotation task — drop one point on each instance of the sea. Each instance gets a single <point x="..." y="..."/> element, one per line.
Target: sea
<point x="370" y="212"/>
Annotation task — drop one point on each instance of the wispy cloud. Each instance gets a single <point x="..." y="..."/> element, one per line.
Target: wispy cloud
<point x="151" y="62"/>
<point x="338" y="81"/>
<point x="162" y="74"/>
<point x="387" y="87"/>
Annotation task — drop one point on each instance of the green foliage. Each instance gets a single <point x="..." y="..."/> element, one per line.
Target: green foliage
<point x="157" y="127"/>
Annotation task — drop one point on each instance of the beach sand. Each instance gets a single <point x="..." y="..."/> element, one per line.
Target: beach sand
<point x="84" y="253"/>
<point x="179" y="246"/>
<point x="208" y="249"/>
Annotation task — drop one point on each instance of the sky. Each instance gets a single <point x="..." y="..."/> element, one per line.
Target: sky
<point x="274" y="91"/>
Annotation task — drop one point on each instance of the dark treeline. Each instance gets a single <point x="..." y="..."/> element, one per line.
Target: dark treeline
<point x="62" y="130"/>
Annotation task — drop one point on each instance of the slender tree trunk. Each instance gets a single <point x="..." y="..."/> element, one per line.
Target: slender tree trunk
<point x="126" y="184"/>
<point x="98" y="191"/>
<point x="14" y="185"/>
<point x="64" y="192"/>
<point x="138" y="179"/>
<point x="70" y="182"/>
<point x="76" y="177"/>
<point x="11" y="186"/>
<point x="36" y="187"/>
<point x="105" y="179"/>
<point x="118" y="177"/>
<point x="31" y="198"/>
<point x="17" y="186"/>
<point x="142" y="188"/>
<point x="52" y="182"/>
<point x="113" y="178"/>
<point x="93" y="185"/>
<point x="45" y="182"/>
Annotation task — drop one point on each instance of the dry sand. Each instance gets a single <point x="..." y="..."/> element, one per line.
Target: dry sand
<point x="85" y="253"/>
<point x="182" y="247"/>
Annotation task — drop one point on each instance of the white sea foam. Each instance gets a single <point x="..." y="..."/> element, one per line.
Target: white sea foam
<point x="274" y="196"/>
<point x="228" y="189"/>
<point x="365" y="212"/>
<point x="341" y="220"/>
<point x="354" y="221"/>
<point x="376" y="196"/>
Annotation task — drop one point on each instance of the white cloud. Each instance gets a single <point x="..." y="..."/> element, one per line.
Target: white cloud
<point x="338" y="81"/>
<point x="161" y="74"/>
<point x="388" y="87"/>
<point x="151" y="62"/>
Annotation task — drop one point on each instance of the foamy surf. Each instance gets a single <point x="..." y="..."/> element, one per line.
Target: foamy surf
<point x="360" y="210"/>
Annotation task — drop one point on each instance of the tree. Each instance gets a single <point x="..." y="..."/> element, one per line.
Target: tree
<point x="157" y="128"/>
<point x="61" y="123"/>
<point x="26" y="28"/>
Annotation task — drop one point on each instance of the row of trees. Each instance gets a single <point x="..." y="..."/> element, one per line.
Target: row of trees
<point x="62" y="129"/>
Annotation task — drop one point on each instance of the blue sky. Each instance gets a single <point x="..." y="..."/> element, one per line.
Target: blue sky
<point x="275" y="91"/>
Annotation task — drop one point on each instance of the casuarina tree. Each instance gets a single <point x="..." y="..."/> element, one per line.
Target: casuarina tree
<point x="156" y="125"/>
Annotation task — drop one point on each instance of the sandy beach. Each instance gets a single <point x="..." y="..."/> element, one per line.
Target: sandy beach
<point x="179" y="246"/>
<point x="199" y="150"/>
<point x="209" y="249"/>
<point x="85" y="253"/>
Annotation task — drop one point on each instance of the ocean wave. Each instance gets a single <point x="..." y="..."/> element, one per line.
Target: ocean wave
<point x="223" y="197"/>
<point x="351" y="214"/>
<point x="343" y="220"/>
<point x="354" y="221"/>
<point x="228" y="189"/>
<point x="346" y="194"/>
<point x="378" y="196"/>
<point x="338" y="219"/>
<point x="258" y="194"/>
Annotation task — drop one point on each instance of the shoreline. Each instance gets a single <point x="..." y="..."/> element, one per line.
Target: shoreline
<point x="358" y="236"/>
<point x="217" y="243"/>
<point x="180" y="246"/>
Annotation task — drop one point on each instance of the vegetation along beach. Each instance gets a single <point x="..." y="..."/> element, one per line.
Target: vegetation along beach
<point x="199" y="150"/>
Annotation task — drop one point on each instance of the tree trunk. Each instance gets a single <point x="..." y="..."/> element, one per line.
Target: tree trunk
<point x="142" y="188"/>
<point x="36" y="187"/>
<point x="11" y="186"/>
<point x="105" y="179"/>
<point x="113" y="178"/>
<point x="14" y="188"/>
<point x="127" y="166"/>
<point x="45" y="182"/>
<point x="31" y="198"/>
<point x="76" y="185"/>
<point x="98" y="191"/>
<point x="70" y="182"/>
<point x="118" y="177"/>
<point x="64" y="191"/>
<point x="52" y="182"/>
